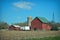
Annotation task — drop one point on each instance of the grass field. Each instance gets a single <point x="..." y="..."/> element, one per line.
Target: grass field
<point x="45" y="38"/>
<point x="28" y="35"/>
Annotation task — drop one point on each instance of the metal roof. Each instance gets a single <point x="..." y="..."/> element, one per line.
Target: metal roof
<point x="43" y="19"/>
<point x="16" y="25"/>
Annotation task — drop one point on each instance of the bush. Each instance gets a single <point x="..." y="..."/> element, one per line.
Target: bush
<point x="54" y="28"/>
<point x="3" y="25"/>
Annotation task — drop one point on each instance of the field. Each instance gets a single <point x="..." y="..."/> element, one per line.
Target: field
<point x="27" y="35"/>
<point x="45" y="38"/>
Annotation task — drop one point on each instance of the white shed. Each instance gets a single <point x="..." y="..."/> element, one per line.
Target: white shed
<point x="25" y="28"/>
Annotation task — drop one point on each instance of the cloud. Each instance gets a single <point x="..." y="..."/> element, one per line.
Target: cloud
<point x="24" y="5"/>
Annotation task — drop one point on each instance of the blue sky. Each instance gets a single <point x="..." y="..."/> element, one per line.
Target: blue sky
<point x="14" y="11"/>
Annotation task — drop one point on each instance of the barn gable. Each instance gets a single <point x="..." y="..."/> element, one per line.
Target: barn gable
<point x="42" y="19"/>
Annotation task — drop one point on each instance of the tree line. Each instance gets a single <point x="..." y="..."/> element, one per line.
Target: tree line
<point x="4" y="25"/>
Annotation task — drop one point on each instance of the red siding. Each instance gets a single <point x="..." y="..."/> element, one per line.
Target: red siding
<point x="46" y="27"/>
<point x="36" y="24"/>
<point x="11" y="27"/>
<point x="17" y="28"/>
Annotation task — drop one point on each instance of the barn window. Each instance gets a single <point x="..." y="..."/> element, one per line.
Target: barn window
<point x="35" y="29"/>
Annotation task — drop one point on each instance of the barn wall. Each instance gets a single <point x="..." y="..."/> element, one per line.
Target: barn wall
<point x="11" y="28"/>
<point x="49" y="27"/>
<point x="45" y="26"/>
<point x="36" y="24"/>
<point x="17" y="28"/>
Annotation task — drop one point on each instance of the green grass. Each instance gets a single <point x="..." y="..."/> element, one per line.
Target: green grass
<point x="45" y="38"/>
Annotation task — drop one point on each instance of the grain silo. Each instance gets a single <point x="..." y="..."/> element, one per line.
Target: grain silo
<point x="29" y="19"/>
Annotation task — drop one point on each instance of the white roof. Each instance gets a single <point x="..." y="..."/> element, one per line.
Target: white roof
<point x="16" y="25"/>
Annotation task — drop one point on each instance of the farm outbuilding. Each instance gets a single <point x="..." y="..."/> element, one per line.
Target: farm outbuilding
<point x="14" y="27"/>
<point x="40" y="23"/>
<point x="17" y="27"/>
<point x="11" y="27"/>
<point x="25" y="28"/>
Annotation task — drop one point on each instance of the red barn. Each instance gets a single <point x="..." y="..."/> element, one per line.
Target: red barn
<point x="14" y="27"/>
<point x="40" y="23"/>
<point x="11" y="27"/>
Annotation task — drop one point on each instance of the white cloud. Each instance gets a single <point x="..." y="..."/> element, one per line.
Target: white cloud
<point x="24" y="5"/>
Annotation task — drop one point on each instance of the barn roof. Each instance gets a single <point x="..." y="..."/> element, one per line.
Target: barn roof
<point x="43" y="19"/>
<point x="16" y="25"/>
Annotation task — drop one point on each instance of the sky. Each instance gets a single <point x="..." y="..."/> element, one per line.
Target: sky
<point x="16" y="11"/>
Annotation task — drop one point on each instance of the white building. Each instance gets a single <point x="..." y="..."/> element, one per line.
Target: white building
<point x="25" y="28"/>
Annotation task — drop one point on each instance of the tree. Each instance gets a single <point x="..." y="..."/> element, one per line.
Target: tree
<point x="54" y="26"/>
<point x="3" y="25"/>
<point x="21" y="24"/>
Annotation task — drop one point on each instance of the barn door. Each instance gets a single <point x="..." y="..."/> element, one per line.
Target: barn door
<point x="35" y="29"/>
